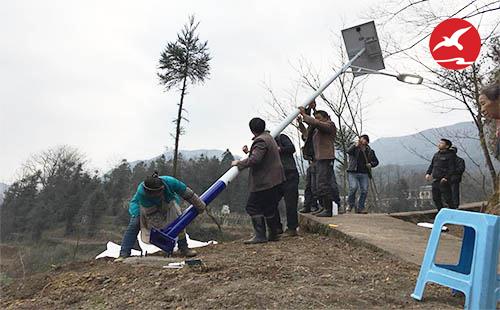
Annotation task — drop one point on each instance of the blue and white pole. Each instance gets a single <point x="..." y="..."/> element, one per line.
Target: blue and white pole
<point x="165" y="238"/>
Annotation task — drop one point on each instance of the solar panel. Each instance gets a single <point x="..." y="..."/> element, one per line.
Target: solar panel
<point x="364" y="36"/>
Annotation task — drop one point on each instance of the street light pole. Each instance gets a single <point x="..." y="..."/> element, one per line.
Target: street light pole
<point x="165" y="238"/>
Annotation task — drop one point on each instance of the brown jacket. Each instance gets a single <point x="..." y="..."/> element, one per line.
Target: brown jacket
<point x="264" y="162"/>
<point x="323" y="138"/>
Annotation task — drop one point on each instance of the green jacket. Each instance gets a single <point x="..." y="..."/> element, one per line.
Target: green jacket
<point x="172" y="191"/>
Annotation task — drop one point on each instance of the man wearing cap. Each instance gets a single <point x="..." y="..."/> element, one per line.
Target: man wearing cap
<point x="155" y="204"/>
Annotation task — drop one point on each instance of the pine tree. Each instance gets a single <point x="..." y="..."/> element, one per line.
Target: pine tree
<point x="183" y="62"/>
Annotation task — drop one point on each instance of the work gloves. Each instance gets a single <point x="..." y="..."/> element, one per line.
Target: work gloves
<point x="190" y="196"/>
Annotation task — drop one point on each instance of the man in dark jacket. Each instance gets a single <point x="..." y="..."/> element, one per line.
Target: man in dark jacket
<point x="265" y="178"/>
<point x="325" y="187"/>
<point x="291" y="184"/>
<point x="310" y="202"/>
<point x="361" y="160"/>
<point x="456" y="179"/>
<point x="439" y="172"/>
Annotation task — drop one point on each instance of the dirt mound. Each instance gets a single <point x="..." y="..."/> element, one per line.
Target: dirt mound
<point x="309" y="271"/>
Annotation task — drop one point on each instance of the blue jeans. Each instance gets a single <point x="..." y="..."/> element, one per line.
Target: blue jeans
<point x="357" y="180"/>
<point x="130" y="236"/>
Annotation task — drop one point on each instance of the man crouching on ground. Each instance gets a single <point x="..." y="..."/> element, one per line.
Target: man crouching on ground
<point x="265" y="177"/>
<point x="155" y="204"/>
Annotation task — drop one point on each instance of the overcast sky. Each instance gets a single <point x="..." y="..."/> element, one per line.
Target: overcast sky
<point x="83" y="73"/>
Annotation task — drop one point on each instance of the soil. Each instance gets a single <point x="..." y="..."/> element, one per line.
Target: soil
<point x="310" y="271"/>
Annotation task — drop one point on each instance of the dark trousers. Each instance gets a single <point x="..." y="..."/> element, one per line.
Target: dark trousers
<point x="324" y="183"/>
<point x="291" y="196"/>
<point x="309" y="200"/>
<point x="441" y="191"/>
<point x="455" y="194"/>
<point x="265" y="203"/>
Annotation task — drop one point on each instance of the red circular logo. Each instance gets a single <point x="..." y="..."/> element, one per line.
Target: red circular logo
<point x="455" y="44"/>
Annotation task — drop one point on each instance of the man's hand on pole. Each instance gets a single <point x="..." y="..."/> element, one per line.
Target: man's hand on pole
<point x="312" y="105"/>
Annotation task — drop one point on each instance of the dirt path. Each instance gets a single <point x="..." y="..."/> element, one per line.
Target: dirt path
<point x="309" y="271"/>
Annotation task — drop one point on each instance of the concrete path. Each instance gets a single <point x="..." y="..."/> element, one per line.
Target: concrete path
<point x="404" y="239"/>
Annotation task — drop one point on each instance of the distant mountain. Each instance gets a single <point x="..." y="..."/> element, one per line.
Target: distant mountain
<point x="3" y="189"/>
<point x="187" y="155"/>
<point x="403" y="150"/>
<point x="400" y="151"/>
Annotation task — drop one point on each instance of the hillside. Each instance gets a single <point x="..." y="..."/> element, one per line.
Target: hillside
<point x="399" y="150"/>
<point x="308" y="272"/>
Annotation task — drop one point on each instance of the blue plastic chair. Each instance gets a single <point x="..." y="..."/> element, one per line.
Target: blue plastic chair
<point x="476" y="273"/>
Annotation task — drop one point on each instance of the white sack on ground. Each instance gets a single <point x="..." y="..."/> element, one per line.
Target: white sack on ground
<point x="113" y="249"/>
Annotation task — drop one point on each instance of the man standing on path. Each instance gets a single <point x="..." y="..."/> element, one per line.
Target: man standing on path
<point x="291" y="184"/>
<point x="265" y="180"/>
<point x="361" y="160"/>
<point x="439" y="172"/>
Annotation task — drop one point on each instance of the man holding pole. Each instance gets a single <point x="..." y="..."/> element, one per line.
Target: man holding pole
<point x="325" y="187"/>
<point x="155" y="203"/>
<point x="266" y="176"/>
<point x="310" y="203"/>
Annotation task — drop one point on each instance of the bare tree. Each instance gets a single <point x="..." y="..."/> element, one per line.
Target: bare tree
<point x="47" y="163"/>
<point x="343" y="99"/>
<point x="460" y="88"/>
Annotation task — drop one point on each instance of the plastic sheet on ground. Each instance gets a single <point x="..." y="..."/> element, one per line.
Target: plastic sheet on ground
<point x="113" y="249"/>
<point x="430" y="225"/>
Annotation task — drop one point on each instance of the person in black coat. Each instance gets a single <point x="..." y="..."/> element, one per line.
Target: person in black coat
<point x="291" y="185"/>
<point x="440" y="171"/>
<point x="362" y="159"/>
<point x="456" y="178"/>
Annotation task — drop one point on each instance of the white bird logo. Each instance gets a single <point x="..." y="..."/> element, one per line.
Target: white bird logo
<point x="453" y="40"/>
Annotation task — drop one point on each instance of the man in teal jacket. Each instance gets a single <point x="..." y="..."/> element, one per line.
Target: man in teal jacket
<point x="156" y="203"/>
